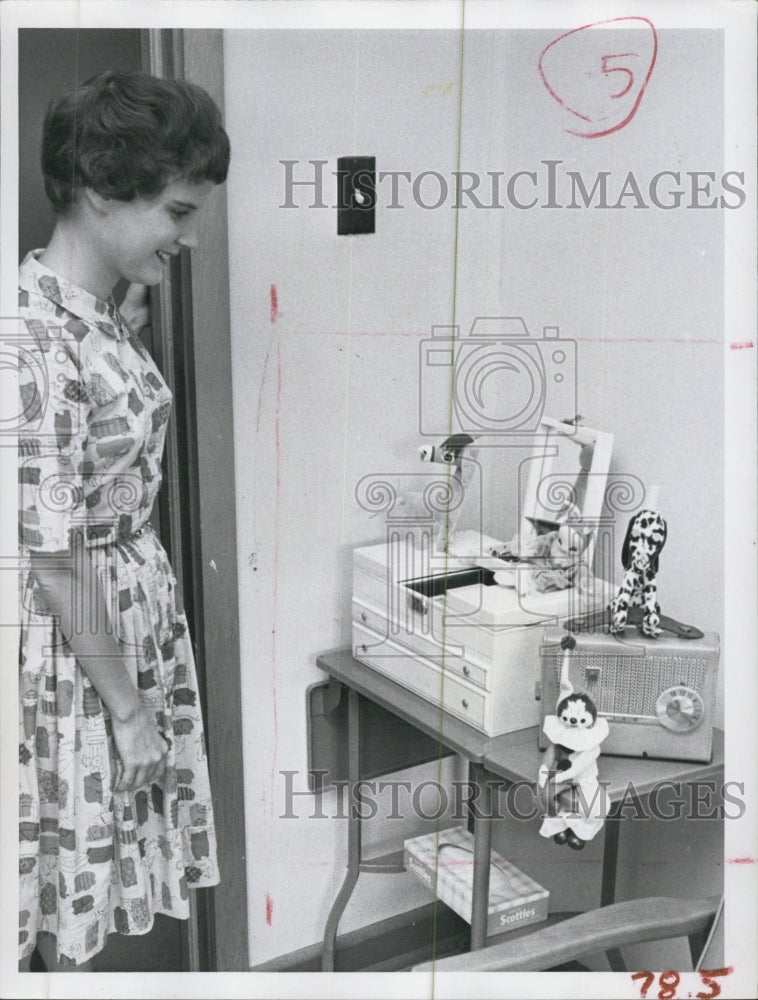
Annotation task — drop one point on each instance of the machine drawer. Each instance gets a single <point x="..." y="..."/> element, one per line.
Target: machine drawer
<point x="422" y="676"/>
<point x="410" y="635"/>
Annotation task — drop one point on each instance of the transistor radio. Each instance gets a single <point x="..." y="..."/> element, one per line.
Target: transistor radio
<point x="658" y="695"/>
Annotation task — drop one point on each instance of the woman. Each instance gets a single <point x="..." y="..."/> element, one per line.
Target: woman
<point x="116" y="815"/>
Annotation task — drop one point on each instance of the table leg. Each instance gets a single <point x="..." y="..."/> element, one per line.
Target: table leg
<point x="353" y="834"/>
<point x="608" y="886"/>
<point x="610" y="860"/>
<point x="482" y="847"/>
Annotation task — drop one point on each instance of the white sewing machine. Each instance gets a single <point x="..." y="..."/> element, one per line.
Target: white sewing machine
<point x="428" y="613"/>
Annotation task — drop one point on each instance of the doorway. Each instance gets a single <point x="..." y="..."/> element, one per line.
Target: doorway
<point x="50" y="62"/>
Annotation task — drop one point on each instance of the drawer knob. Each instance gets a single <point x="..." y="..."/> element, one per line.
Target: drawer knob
<point x="465" y="703"/>
<point x="417" y="604"/>
<point x="467" y="671"/>
<point x="364" y="616"/>
<point x="364" y="647"/>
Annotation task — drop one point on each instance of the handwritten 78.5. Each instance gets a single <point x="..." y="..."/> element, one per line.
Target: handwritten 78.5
<point x="668" y="982"/>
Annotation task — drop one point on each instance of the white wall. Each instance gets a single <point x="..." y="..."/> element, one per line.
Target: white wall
<point x="328" y="392"/>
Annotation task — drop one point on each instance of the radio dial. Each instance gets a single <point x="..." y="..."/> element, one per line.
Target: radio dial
<point x="680" y="709"/>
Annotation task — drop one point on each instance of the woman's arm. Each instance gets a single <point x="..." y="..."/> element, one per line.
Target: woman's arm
<point x="76" y="588"/>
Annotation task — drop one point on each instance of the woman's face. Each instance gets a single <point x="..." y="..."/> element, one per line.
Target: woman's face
<point x="138" y="237"/>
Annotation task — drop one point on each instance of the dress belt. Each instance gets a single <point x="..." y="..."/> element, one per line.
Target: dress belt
<point x="120" y="538"/>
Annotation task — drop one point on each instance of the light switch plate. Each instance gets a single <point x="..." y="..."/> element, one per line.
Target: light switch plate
<point x="356" y="195"/>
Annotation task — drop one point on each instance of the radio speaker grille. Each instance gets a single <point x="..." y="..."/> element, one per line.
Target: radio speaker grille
<point x="630" y="685"/>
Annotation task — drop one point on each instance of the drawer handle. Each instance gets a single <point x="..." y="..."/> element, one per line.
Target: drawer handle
<point x="467" y="671"/>
<point x="364" y="647"/>
<point x="364" y="616"/>
<point x="418" y="604"/>
<point x="464" y="703"/>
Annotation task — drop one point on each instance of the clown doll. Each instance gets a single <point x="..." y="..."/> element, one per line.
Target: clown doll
<point x="572" y="800"/>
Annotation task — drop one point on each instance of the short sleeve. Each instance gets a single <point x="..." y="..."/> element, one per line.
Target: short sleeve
<point x="52" y="441"/>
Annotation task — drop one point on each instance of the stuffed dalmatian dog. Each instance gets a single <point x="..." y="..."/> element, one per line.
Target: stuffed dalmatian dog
<point x="645" y="537"/>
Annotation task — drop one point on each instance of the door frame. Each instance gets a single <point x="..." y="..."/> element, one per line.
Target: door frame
<point x="192" y="331"/>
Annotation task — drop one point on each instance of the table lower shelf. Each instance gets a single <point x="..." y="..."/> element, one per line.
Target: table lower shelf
<point x="384" y="864"/>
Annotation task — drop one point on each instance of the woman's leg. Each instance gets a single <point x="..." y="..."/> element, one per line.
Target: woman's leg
<point x="46" y="946"/>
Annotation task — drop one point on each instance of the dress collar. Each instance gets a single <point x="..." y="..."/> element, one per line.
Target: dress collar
<point x="102" y="313"/>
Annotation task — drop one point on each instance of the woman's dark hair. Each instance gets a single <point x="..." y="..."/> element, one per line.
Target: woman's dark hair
<point x="129" y="134"/>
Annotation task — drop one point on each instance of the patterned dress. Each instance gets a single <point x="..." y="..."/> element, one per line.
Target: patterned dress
<point x="91" y="860"/>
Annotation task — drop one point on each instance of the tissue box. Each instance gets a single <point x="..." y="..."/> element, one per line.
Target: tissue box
<point x="444" y="862"/>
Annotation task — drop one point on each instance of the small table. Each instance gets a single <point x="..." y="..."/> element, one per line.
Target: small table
<point x="493" y="762"/>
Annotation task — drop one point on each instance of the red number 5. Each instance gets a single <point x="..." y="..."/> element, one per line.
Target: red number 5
<point x="707" y="975"/>
<point x="607" y="70"/>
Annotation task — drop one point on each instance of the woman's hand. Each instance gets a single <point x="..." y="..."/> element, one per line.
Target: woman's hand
<point x="141" y="750"/>
<point x="140" y="747"/>
<point x="135" y="308"/>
